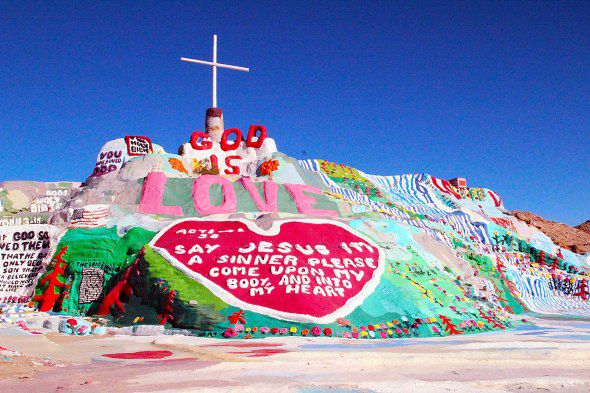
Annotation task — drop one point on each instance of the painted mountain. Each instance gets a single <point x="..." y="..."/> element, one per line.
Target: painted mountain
<point x="231" y="238"/>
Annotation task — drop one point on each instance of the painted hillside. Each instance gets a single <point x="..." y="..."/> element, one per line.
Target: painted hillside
<point x="230" y="238"/>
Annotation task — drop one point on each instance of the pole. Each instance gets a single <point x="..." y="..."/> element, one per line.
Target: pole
<point x="215" y="71"/>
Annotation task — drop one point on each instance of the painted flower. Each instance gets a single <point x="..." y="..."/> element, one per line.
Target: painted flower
<point x="82" y="329"/>
<point x="254" y="329"/>
<point x="343" y="322"/>
<point x="248" y="330"/>
<point x="435" y="329"/>
<point x="383" y="334"/>
<point x="269" y="166"/>
<point x="398" y="331"/>
<point x="283" y="330"/>
<point x="305" y="332"/>
<point x="293" y="330"/>
<point x="264" y="330"/>
<point x="363" y="328"/>
<point x="370" y="327"/>
<point x="328" y="332"/>
<point x="395" y="322"/>
<point x="248" y="336"/>
<point x="389" y="324"/>
<point x="274" y="330"/>
<point x="316" y="331"/>
<point x="364" y="334"/>
<point x="355" y="334"/>
<point x="229" y="333"/>
<point x="390" y="332"/>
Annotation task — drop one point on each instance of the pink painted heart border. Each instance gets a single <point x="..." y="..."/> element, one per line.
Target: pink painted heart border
<point x="230" y="299"/>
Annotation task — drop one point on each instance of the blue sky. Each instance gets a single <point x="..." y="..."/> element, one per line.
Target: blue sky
<point x="497" y="92"/>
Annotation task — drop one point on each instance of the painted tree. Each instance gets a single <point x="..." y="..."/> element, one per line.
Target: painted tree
<point x="555" y="264"/>
<point x="490" y="319"/>
<point x="166" y="314"/>
<point x="541" y="260"/>
<point x="449" y="326"/>
<point x="237" y="317"/>
<point x="55" y="281"/>
<point x="121" y="288"/>
<point x="582" y="289"/>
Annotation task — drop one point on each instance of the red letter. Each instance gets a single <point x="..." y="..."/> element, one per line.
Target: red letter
<point x="235" y="169"/>
<point x="214" y="163"/>
<point x="205" y="145"/>
<point x="252" y="133"/>
<point x="225" y="146"/>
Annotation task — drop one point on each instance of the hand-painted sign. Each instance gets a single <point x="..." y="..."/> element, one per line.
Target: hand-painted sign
<point x="115" y="153"/>
<point x="239" y="156"/>
<point x="298" y="270"/>
<point x="24" y="254"/>
<point x="138" y="145"/>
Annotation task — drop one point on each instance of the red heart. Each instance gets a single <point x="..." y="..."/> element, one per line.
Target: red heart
<point x="335" y="268"/>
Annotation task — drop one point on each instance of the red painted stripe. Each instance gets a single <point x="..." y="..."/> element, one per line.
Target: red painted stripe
<point x="139" y="355"/>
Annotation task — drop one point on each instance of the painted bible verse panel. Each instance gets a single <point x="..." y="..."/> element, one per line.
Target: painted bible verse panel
<point x="298" y="270"/>
<point x="24" y="254"/>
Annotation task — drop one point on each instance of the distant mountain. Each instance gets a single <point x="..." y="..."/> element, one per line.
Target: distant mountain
<point x="585" y="226"/>
<point x="575" y="239"/>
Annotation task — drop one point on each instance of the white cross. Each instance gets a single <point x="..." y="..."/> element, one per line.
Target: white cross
<point x="215" y="64"/>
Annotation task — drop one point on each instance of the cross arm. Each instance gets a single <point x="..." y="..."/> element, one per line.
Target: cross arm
<point x="221" y="65"/>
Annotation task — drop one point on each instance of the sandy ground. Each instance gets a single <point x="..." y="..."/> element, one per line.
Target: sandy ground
<point x="554" y="355"/>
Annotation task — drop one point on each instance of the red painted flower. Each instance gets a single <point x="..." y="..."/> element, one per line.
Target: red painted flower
<point x="269" y="166"/>
<point x="328" y="332"/>
<point x="229" y="333"/>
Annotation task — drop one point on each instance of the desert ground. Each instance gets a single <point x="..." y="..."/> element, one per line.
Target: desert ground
<point x="549" y="355"/>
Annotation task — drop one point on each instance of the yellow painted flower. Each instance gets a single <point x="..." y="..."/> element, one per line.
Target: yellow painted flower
<point x="293" y="329"/>
<point x="364" y="334"/>
<point x="389" y="324"/>
<point x="248" y="330"/>
<point x="390" y="332"/>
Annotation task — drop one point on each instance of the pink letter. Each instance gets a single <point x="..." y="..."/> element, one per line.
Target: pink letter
<point x="304" y="202"/>
<point x="201" y="195"/>
<point x="270" y="194"/>
<point x="152" y="195"/>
